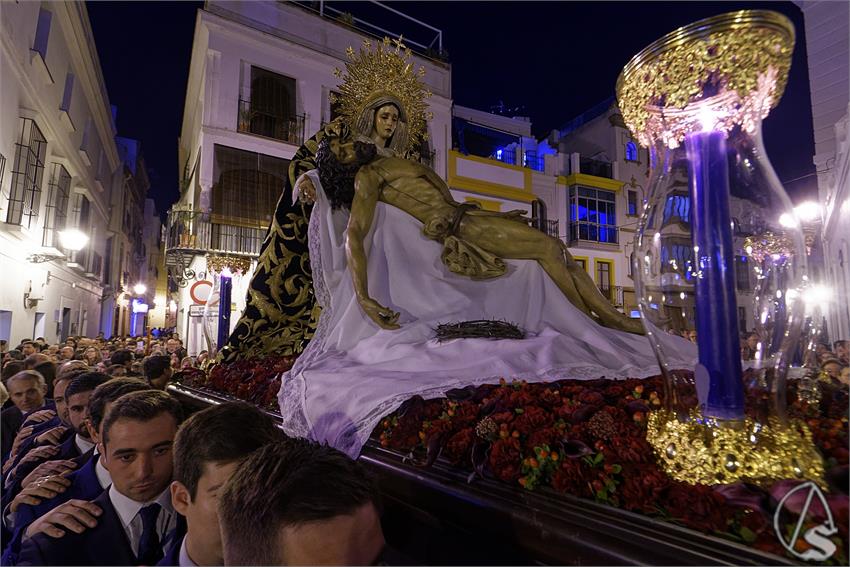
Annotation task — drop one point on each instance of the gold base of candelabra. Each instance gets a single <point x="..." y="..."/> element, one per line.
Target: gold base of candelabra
<point x="707" y="451"/>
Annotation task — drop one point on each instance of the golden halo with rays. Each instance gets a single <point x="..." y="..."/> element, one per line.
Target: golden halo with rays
<point x="385" y="69"/>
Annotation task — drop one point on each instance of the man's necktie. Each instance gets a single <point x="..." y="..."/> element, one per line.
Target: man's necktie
<point x="150" y="548"/>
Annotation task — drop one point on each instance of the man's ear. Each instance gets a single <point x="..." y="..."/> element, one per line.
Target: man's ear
<point x="180" y="497"/>
<point x="92" y="431"/>
<point x="101" y="449"/>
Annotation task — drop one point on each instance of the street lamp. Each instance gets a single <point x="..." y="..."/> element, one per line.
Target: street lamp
<point x="72" y="240"/>
<point x="140" y="289"/>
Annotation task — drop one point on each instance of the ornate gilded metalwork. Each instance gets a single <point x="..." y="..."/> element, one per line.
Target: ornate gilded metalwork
<point x="385" y="72"/>
<point x="761" y="246"/>
<point x="703" y="451"/>
<point x="742" y="58"/>
<point x="236" y="264"/>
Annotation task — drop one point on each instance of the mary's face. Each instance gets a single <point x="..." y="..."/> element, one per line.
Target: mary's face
<point x="386" y="121"/>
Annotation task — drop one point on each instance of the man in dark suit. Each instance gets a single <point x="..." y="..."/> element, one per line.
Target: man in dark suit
<point x="300" y="503"/>
<point x="77" y="396"/>
<point x="26" y="390"/>
<point x="136" y="512"/>
<point x="209" y="447"/>
<point x="86" y="483"/>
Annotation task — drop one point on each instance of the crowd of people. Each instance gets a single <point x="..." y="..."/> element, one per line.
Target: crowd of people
<point x="99" y="467"/>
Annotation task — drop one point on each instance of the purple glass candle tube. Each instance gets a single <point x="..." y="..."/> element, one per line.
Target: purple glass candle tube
<point x="224" y="309"/>
<point x="717" y="327"/>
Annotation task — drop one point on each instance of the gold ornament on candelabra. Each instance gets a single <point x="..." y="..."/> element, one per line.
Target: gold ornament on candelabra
<point x="696" y="97"/>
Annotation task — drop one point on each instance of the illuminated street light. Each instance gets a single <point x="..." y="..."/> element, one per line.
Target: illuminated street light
<point x="809" y="211"/>
<point x="140" y="289"/>
<point x="73" y="239"/>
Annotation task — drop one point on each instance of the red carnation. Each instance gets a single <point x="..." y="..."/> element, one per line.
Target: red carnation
<point x="505" y="459"/>
<point x="532" y="419"/>
<point x="697" y="506"/>
<point x="458" y="446"/>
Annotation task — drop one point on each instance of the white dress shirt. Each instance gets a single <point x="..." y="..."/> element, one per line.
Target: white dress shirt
<point x="128" y="511"/>
<point x="184" y="560"/>
<point x="103" y="476"/>
<point x="82" y="444"/>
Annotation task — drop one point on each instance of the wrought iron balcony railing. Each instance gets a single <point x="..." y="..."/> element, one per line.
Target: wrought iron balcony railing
<point x="195" y="232"/>
<point x="258" y="121"/>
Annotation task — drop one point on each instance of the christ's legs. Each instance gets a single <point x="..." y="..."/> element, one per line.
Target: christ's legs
<point x="511" y="239"/>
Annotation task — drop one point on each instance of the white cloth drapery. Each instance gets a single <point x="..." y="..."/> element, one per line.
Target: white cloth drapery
<point x="353" y="373"/>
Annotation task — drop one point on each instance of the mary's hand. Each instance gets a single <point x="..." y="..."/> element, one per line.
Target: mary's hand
<point x="383" y="316"/>
<point x="306" y="190"/>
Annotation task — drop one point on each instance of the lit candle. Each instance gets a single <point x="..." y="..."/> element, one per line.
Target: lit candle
<point x="717" y="327"/>
<point x="224" y="307"/>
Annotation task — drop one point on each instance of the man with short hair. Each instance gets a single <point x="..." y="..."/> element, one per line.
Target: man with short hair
<point x="66" y="353"/>
<point x="158" y="371"/>
<point x="136" y="517"/>
<point x="300" y="503"/>
<point x="40" y="507"/>
<point x="77" y="396"/>
<point x="122" y="357"/>
<point x="208" y="449"/>
<point x="28" y="348"/>
<point x="26" y="390"/>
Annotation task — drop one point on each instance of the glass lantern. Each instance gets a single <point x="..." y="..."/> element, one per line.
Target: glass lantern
<point x="719" y="250"/>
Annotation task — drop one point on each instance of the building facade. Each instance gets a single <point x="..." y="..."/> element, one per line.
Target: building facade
<point x="58" y="169"/>
<point x="827" y="32"/>
<point x="260" y="80"/>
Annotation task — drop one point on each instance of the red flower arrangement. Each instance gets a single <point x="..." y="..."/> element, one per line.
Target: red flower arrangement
<point x="586" y="438"/>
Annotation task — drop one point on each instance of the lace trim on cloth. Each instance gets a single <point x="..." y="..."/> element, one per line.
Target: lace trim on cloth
<point x="293" y="388"/>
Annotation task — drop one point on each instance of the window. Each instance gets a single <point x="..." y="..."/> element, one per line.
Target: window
<point x="742" y="273"/>
<point x="632" y="198"/>
<point x="81" y="219"/>
<point x="631" y="151"/>
<point x="2" y="169"/>
<point x="603" y="277"/>
<point x="742" y="319"/>
<point x="246" y="187"/>
<point x="268" y="109"/>
<point x="677" y="209"/>
<point x="42" y="33"/>
<point x="593" y="215"/>
<point x="632" y="265"/>
<point x="677" y="256"/>
<point x="66" y="96"/>
<point x="27" y="172"/>
<point x="56" y="212"/>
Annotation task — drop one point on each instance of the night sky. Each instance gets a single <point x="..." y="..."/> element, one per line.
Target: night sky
<point x="550" y="60"/>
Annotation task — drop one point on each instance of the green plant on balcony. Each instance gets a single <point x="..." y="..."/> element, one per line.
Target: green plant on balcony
<point x="346" y="18"/>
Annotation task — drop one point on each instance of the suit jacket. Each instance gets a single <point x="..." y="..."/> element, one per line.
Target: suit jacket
<point x="84" y="486"/>
<point x="172" y="552"/>
<point x="10" y="422"/>
<point x="67" y="450"/>
<point x="104" y="544"/>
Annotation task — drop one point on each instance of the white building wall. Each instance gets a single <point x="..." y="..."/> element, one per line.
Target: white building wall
<point x="81" y="140"/>
<point x="828" y="50"/>
<point x="230" y="37"/>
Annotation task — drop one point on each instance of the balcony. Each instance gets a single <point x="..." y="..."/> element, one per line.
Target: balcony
<point x="277" y="126"/>
<point x="195" y="233"/>
<point x="613" y="293"/>
<point x="594" y="232"/>
<point x="550" y="227"/>
<point x="590" y="166"/>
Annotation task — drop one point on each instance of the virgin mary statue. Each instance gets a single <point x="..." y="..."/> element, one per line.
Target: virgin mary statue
<point x="350" y="371"/>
